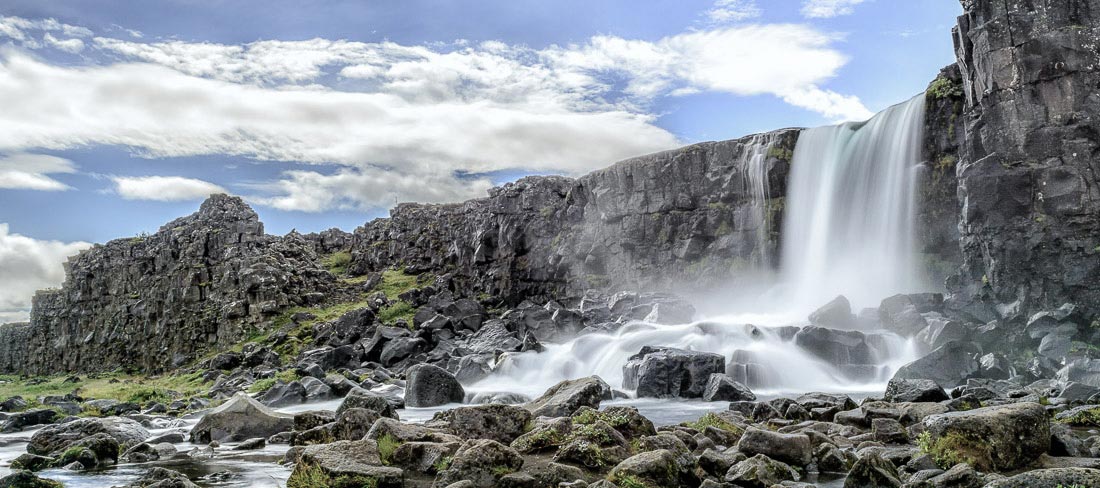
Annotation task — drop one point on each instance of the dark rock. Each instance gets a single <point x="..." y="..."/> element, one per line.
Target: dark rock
<point x="353" y="423"/>
<point x="482" y="462"/>
<point x="721" y="388"/>
<point x="55" y="439"/>
<point x="430" y="386"/>
<point x="501" y="423"/>
<point x="760" y="471"/>
<point x="872" y="471"/>
<point x="917" y="390"/>
<point x="668" y="372"/>
<point x="653" y="468"/>
<point x="949" y="365"/>
<point x="13" y="404"/>
<point x="356" y="462"/>
<point x="836" y="314"/>
<point x="22" y="420"/>
<point x="1021" y="432"/>
<point x="423" y="457"/>
<point x="792" y="449"/>
<point x="1050" y="478"/>
<point x="360" y="398"/>
<point x="27" y="479"/>
<point x="566" y="397"/>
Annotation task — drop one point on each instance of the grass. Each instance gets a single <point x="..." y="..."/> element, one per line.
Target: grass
<point x="1089" y="417"/>
<point x="337" y="263"/>
<point x="629" y="481"/>
<point x="125" y="388"/>
<point x="312" y="476"/>
<point x="944" y="88"/>
<point x="399" y="310"/>
<point x="387" y="445"/>
<point x="443" y="463"/>
<point x="395" y="282"/>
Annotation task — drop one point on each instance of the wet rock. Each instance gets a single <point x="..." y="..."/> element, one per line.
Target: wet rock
<point x="872" y="471"/>
<point x="312" y="418"/>
<point x="566" y="397"/>
<point x="836" y="347"/>
<point x="430" y="386"/>
<point x="148" y="451"/>
<point x="544" y="436"/>
<point x="251" y="444"/>
<point x="482" y="462"/>
<point x="238" y="419"/>
<point x="721" y="388"/>
<point x="1050" y="478"/>
<point x="914" y="390"/>
<point x="664" y="372"/>
<point x="360" y="398"/>
<point x="836" y="314"/>
<point x="889" y="431"/>
<point x="22" y="420"/>
<point x="282" y="394"/>
<point x="13" y="404"/>
<point x="792" y="449"/>
<point x="424" y="457"/>
<point x="653" y="468"/>
<point x="404" y="432"/>
<point x="31" y="462"/>
<point x="27" y="479"/>
<point x="1021" y="432"/>
<point x="55" y="439"/>
<point x="353" y="423"/>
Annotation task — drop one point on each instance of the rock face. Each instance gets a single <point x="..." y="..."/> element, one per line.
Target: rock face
<point x="683" y="215"/>
<point x="1028" y="172"/>
<point x="668" y="372"/>
<point x="152" y="302"/>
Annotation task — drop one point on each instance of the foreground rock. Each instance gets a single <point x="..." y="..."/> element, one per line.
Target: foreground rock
<point x="665" y="372"/>
<point x="241" y="418"/>
<point x="431" y="386"/>
<point x="55" y="439"/>
<point x="999" y="438"/>
<point x="344" y="463"/>
<point x="1051" y="478"/>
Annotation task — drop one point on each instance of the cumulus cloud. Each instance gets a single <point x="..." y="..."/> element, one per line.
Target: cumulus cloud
<point x="36" y="263"/>
<point x="21" y="29"/>
<point x="23" y="171"/>
<point x="73" y="46"/>
<point x="164" y="188"/>
<point x="725" y="11"/>
<point x="823" y="9"/>
<point x="427" y="113"/>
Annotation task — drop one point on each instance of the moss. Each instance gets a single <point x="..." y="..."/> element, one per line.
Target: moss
<point x="954" y="448"/>
<point x="781" y="153"/>
<point x="387" y="445"/>
<point x="261" y="385"/>
<point x="1089" y="417"/>
<point x="337" y="263"/>
<point x="499" y="471"/>
<point x="117" y="386"/>
<point x="945" y="162"/>
<point x="547" y="211"/>
<point x="713" y="420"/>
<point x="312" y="476"/>
<point x="628" y="481"/>
<point x="719" y="206"/>
<point x="396" y="282"/>
<point x="442" y="464"/>
<point x="724" y="228"/>
<point x="943" y="87"/>
<point x="598" y="281"/>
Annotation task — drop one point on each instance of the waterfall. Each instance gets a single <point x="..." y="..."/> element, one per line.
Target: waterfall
<point x="754" y="163"/>
<point x="849" y="229"/>
<point x="851" y="206"/>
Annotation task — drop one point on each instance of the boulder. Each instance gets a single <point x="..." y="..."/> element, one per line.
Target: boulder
<point x="1050" y="478"/>
<point x="949" y="365"/>
<point x="238" y="419"/>
<point x="501" y="423"/>
<point x="918" y="390"/>
<point x="566" y="397"/>
<point x="429" y="386"/>
<point x="482" y="462"/>
<point x="27" y="479"/>
<point x="996" y="438"/>
<point x="353" y="423"/>
<point x="368" y="400"/>
<point x="22" y="420"/>
<point x="760" y="471"/>
<point x="872" y="471"/>
<point x="423" y="457"/>
<point x="652" y="468"/>
<point x="722" y="388"/>
<point x="544" y="436"/>
<point x="55" y="439"/>
<point x="354" y="463"/>
<point x="665" y="372"/>
<point x="792" y="449"/>
<point x="282" y="394"/>
<point x="837" y="314"/>
<point x="836" y="347"/>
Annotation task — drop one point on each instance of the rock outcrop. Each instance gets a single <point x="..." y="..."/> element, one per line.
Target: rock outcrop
<point x="153" y="302"/>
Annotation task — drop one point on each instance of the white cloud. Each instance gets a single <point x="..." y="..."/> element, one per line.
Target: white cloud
<point x="366" y="189"/>
<point x="164" y="188"/>
<point x="823" y="9"/>
<point x="424" y="113"/>
<point x="36" y="264"/>
<point x="73" y="46"/>
<point x="17" y="28"/>
<point x="23" y="171"/>
<point x="725" y="11"/>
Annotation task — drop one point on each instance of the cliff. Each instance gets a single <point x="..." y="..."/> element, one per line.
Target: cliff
<point x="1028" y="172"/>
<point x="151" y="302"/>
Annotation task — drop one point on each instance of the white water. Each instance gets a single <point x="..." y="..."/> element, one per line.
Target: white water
<point x="851" y="207"/>
<point x="754" y="160"/>
<point x="848" y="230"/>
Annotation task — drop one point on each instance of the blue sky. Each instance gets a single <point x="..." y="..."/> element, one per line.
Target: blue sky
<point x="121" y="115"/>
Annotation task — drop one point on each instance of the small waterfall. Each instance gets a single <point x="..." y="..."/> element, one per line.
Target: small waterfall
<point x="754" y="163"/>
<point x="851" y="206"/>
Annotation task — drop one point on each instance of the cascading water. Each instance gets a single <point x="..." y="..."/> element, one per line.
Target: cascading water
<point x="754" y="160"/>
<point x="849" y="230"/>
<point x="851" y="206"/>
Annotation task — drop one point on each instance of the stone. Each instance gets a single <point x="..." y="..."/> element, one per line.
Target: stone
<point x="405" y="432"/>
<point x="792" y="449"/>
<point x="482" y="462"/>
<point x="501" y="423"/>
<point x="544" y="436"/>
<point x="22" y="420"/>
<point x="423" y="457"/>
<point x="1020" y="432"/>
<point x="369" y="400"/>
<point x="357" y="462"/>
<point x="353" y="423"/>
<point x="914" y="390"/>
<point x="872" y="471"/>
<point x="949" y="365"/>
<point x="836" y="314"/>
<point x="55" y="439"/>
<point x="653" y="468"/>
<point x="665" y="372"/>
<point x="760" y="471"/>
<point x="431" y="386"/>
<point x="27" y="479"/>
<point x="238" y="419"/>
<point x="889" y="431"/>
<point x="721" y="388"/>
<point x="566" y="397"/>
<point x="836" y="347"/>
<point x="1050" y="478"/>
<point x="13" y="404"/>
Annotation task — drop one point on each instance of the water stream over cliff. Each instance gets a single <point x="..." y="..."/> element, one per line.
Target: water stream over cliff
<point x="849" y="225"/>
